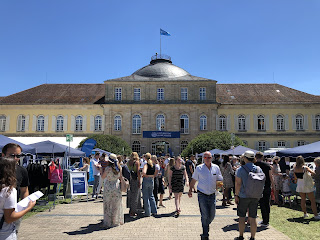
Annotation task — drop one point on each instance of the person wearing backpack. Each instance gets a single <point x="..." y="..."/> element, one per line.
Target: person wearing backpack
<point x="250" y="181"/>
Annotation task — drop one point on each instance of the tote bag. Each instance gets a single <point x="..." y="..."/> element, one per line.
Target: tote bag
<point x="124" y="184"/>
<point x="56" y="175"/>
<point x="308" y="182"/>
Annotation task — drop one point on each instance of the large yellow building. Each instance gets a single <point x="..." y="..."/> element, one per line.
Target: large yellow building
<point x="161" y="108"/>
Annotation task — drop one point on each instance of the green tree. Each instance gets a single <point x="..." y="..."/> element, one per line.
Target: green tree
<point x="110" y="143"/>
<point x="211" y="140"/>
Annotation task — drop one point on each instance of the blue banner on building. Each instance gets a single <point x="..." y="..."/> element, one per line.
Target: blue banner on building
<point x="160" y="134"/>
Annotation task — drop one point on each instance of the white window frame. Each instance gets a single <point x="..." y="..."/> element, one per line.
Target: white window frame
<point x="79" y="123"/>
<point x="118" y="93"/>
<point x="183" y="145"/>
<point x="301" y="143"/>
<point x="137" y="94"/>
<point x="98" y="123"/>
<point x="222" y="123"/>
<point x="261" y="123"/>
<point x="3" y="122"/>
<point x="241" y="122"/>
<point x="184" y="124"/>
<point x="60" y="123"/>
<point x="40" y="123"/>
<point x="203" y="122"/>
<point x="299" y="122"/>
<point x="317" y="122"/>
<point x="184" y="93"/>
<point x="160" y="122"/>
<point x="117" y="123"/>
<point x="281" y="144"/>
<point x="202" y="94"/>
<point x="136" y="146"/>
<point x="262" y="146"/>
<point x="280" y="122"/>
<point x="136" y="124"/>
<point x="21" y="123"/>
<point x="160" y="94"/>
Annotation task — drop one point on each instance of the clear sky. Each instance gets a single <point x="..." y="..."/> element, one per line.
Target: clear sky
<point x="89" y="41"/>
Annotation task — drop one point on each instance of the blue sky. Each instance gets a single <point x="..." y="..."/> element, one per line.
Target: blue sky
<point x="231" y="41"/>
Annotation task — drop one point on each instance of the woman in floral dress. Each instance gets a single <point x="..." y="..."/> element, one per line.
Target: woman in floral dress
<point x="112" y="197"/>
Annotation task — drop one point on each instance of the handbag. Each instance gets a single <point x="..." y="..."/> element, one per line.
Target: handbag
<point x="308" y="182"/>
<point x="124" y="184"/>
<point x="56" y="175"/>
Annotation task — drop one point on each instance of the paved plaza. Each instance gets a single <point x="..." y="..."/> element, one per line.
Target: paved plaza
<point x="82" y="220"/>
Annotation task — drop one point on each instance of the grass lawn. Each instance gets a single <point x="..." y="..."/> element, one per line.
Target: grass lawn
<point x="291" y="223"/>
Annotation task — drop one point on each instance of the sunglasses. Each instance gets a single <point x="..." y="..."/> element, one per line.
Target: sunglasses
<point x="17" y="155"/>
<point x="207" y="157"/>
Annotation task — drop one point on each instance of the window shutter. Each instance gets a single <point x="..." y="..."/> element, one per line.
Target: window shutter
<point x="248" y="122"/>
<point x="7" y="127"/>
<point x="103" y="122"/>
<point x="217" y="122"/>
<point x="295" y="143"/>
<point x="73" y="123"/>
<point x="18" y="123"/>
<point x="256" y="145"/>
<point x="65" y="123"/>
<point x="27" y="123"/>
<point x="84" y="126"/>
<point x="313" y="118"/>
<point x="305" y="122"/>
<point x="274" y="122"/>
<point x="46" y="123"/>
<point x="287" y="144"/>
<point x="236" y="123"/>
<point x="275" y="144"/>
<point x="34" y="123"/>
<point x="267" y="145"/>
<point x="91" y="123"/>
<point x="286" y="122"/>
<point x="228" y="122"/>
<point x="255" y="122"/>
<point x="267" y="123"/>
<point x="294" y="127"/>
<point x="54" y="123"/>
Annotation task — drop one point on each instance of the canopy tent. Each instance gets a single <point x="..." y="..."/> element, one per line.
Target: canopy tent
<point x="25" y="148"/>
<point x="55" y="149"/>
<point x="213" y="151"/>
<point x="311" y="150"/>
<point x="237" y="151"/>
<point x="101" y="151"/>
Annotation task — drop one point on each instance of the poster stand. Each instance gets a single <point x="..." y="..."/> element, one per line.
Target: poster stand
<point x="77" y="184"/>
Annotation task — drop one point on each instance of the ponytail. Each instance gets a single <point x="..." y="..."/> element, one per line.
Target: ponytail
<point x="148" y="157"/>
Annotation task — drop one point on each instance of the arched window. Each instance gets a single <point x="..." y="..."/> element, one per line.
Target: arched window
<point x="280" y="122"/>
<point x="136" y="147"/>
<point x="299" y="122"/>
<point x="79" y="123"/>
<point x="21" y="126"/>
<point x="98" y="123"/>
<point x="183" y="145"/>
<point x="60" y="121"/>
<point x="184" y="124"/>
<point x="136" y="124"/>
<point x="241" y="122"/>
<point x="203" y="122"/>
<point x="40" y="123"/>
<point x="317" y="122"/>
<point x="261" y="123"/>
<point x="160" y="122"/>
<point x="117" y="123"/>
<point x="222" y="123"/>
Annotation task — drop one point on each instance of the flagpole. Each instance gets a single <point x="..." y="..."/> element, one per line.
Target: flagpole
<point x="160" y="44"/>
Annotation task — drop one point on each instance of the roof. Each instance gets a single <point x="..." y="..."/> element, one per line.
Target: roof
<point x="58" y="94"/>
<point x="251" y="93"/>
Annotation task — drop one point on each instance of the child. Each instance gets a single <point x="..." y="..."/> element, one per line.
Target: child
<point x="8" y="199"/>
<point x="286" y="191"/>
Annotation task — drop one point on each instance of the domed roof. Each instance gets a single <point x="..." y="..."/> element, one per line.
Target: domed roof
<point x="161" y="68"/>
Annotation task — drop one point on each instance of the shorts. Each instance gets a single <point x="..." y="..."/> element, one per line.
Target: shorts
<point x="245" y="204"/>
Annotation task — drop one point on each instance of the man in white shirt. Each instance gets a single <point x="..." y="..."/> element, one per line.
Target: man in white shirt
<point x="207" y="175"/>
<point x="96" y="174"/>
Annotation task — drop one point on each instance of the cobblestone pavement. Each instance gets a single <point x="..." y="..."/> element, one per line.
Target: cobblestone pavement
<point x="82" y="220"/>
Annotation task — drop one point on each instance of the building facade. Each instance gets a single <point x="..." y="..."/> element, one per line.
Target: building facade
<point x="162" y="97"/>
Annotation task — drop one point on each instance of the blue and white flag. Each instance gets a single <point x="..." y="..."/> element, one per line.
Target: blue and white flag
<point x="165" y="33"/>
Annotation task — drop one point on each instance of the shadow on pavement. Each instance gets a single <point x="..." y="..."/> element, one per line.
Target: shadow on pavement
<point x="88" y="229"/>
<point x="234" y="227"/>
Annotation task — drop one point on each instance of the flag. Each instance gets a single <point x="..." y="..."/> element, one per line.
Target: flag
<point x="165" y="33"/>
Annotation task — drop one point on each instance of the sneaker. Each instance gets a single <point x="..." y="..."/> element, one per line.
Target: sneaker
<point x="239" y="238"/>
<point x="305" y="215"/>
<point x="262" y="224"/>
<point x="317" y="217"/>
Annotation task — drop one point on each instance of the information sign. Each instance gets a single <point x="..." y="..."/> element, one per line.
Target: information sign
<point x="69" y="138"/>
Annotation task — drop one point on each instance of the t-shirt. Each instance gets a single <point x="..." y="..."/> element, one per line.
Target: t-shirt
<point x="95" y="170"/>
<point x="188" y="164"/>
<point x="265" y="169"/>
<point x="22" y="178"/>
<point x="7" y="202"/>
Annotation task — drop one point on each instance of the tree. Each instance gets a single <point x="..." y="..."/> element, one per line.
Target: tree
<point x="211" y="140"/>
<point x="110" y="143"/>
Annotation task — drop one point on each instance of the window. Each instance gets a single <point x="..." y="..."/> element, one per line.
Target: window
<point x="261" y="123"/>
<point x="184" y="124"/>
<point x="136" y="124"/>
<point x="184" y="94"/>
<point x="299" y="122"/>
<point x="241" y="123"/>
<point x="136" y="146"/>
<point x="203" y="122"/>
<point x="202" y="93"/>
<point x="137" y="94"/>
<point x="3" y="120"/>
<point x="301" y="143"/>
<point x="118" y="94"/>
<point x="317" y="122"/>
<point x="280" y="122"/>
<point x="40" y="123"/>
<point x="117" y="123"/>
<point x="183" y="145"/>
<point x="281" y="144"/>
<point x="59" y="123"/>
<point x="245" y="142"/>
<point x="98" y="123"/>
<point x="222" y="123"/>
<point x="21" y="123"/>
<point x="79" y="123"/>
<point x="160" y="122"/>
<point x="262" y="146"/>
<point x="160" y="94"/>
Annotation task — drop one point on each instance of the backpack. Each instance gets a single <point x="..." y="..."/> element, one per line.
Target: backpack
<point x="255" y="184"/>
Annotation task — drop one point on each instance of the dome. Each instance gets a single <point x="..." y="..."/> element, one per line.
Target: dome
<point x="161" y="68"/>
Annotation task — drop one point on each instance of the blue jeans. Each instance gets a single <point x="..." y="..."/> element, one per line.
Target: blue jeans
<point x="207" y="205"/>
<point x="149" y="202"/>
